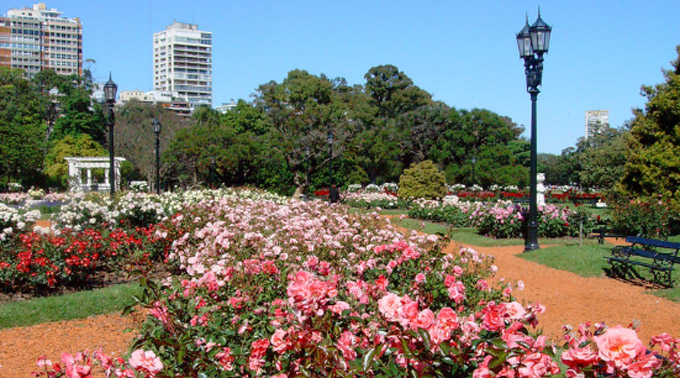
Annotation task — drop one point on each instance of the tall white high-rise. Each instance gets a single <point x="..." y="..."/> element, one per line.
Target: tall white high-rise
<point x="596" y="122"/>
<point x="38" y="38"/>
<point x="182" y="63"/>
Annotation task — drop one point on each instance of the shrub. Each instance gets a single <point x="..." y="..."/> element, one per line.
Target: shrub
<point x="648" y="217"/>
<point x="422" y="180"/>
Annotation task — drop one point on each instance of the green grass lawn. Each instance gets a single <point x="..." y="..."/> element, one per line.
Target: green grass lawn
<point x="586" y="260"/>
<point x="69" y="306"/>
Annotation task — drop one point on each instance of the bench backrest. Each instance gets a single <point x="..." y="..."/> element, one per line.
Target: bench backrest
<point x="658" y="256"/>
<point x="652" y="242"/>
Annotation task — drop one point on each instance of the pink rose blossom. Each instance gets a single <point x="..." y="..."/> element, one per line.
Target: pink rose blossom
<point x="278" y="341"/>
<point x="619" y="346"/>
<point x="388" y="306"/>
<point x="146" y="361"/>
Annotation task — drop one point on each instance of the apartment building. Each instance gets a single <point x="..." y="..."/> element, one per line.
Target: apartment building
<point x="182" y="63"/>
<point x="596" y="121"/>
<point x="38" y="38"/>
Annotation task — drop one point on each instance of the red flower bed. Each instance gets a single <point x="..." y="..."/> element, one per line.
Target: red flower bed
<point x="45" y="262"/>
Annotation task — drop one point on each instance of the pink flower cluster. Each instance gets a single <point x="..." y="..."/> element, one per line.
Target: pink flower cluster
<point x="309" y="295"/>
<point x="80" y="365"/>
<point x="617" y="351"/>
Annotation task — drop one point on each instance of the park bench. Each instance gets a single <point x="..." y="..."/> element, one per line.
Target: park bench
<point x="658" y="256"/>
<point x="604" y="232"/>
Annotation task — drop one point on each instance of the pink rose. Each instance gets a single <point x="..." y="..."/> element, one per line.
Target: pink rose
<point x="146" y="361"/>
<point x="420" y="278"/>
<point x="407" y="312"/>
<point x="644" y="367"/>
<point x="388" y="306"/>
<point x="514" y="310"/>
<point x="345" y="344"/>
<point x="619" y="346"/>
<point x="577" y="358"/>
<point x="536" y="365"/>
<point x="423" y="320"/>
<point x="492" y="319"/>
<point x="278" y="341"/>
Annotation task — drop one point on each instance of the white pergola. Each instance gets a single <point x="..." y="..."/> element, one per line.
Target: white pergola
<point x="77" y="164"/>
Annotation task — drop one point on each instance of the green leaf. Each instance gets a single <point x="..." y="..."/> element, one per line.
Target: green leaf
<point x="367" y="361"/>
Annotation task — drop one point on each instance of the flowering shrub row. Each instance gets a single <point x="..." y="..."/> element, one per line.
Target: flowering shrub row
<point x="382" y="200"/>
<point x="13" y="222"/>
<point x="503" y="219"/>
<point x="509" y="221"/>
<point x="135" y="209"/>
<point x="304" y="289"/>
<point x="41" y="263"/>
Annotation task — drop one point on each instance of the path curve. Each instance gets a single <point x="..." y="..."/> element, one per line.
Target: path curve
<point x="571" y="299"/>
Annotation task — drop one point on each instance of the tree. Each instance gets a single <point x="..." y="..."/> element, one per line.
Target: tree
<point x="392" y="92"/>
<point x="56" y="167"/>
<point x="136" y="141"/>
<point x="21" y="125"/>
<point x="79" y="114"/>
<point x="302" y="110"/>
<point x="602" y="159"/>
<point x="653" y="167"/>
<point x="488" y="137"/>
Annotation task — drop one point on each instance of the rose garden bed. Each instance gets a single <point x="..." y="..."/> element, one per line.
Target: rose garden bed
<point x="306" y="289"/>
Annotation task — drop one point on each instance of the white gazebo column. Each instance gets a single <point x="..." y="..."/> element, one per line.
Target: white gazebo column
<point x="89" y="177"/>
<point x="106" y="177"/>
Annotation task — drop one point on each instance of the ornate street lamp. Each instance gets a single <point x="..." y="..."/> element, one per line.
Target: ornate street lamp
<point x="330" y="161"/>
<point x="474" y="161"/>
<point x="110" y="89"/>
<point x="157" y="130"/>
<point x="309" y="168"/>
<point x="533" y="42"/>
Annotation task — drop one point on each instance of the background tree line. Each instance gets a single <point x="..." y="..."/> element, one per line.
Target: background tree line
<point x="279" y="140"/>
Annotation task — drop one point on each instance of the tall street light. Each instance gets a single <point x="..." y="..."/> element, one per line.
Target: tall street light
<point x="157" y="130"/>
<point x="330" y="161"/>
<point x="533" y="42"/>
<point x="110" y="89"/>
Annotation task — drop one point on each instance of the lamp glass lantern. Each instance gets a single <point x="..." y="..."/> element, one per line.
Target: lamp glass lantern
<point x="524" y="42"/>
<point x="110" y="89"/>
<point x="156" y="126"/>
<point x="540" y="36"/>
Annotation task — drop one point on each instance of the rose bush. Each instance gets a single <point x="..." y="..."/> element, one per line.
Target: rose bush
<point x="306" y="289"/>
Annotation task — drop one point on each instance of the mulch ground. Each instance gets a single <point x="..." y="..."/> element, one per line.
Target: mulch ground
<point x="569" y="299"/>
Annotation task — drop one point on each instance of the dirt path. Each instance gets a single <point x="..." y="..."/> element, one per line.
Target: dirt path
<point x="569" y="299"/>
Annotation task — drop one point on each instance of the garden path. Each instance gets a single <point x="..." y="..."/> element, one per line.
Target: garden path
<point x="569" y="299"/>
<point x="572" y="299"/>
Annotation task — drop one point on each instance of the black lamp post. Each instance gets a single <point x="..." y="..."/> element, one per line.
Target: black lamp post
<point x="309" y="168"/>
<point x="330" y="161"/>
<point x="533" y="42"/>
<point x="110" y="89"/>
<point x="474" y="161"/>
<point x="157" y="130"/>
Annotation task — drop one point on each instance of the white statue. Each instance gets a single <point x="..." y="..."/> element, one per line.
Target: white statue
<point x="540" y="189"/>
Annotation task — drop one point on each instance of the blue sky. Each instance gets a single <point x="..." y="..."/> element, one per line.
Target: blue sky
<point x="463" y="52"/>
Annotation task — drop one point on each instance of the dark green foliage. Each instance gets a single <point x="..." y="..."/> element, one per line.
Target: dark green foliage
<point x="422" y="180"/>
<point x="653" y="157"/>
<point x="21" y="127"/>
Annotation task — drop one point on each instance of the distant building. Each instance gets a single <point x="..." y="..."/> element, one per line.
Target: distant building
<point x="226" y="107"/>
<point x="38" y="38"/>
<point x="152" y="97"/>
<point x="596" y="121"/>
<point x="182" y="63"/>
